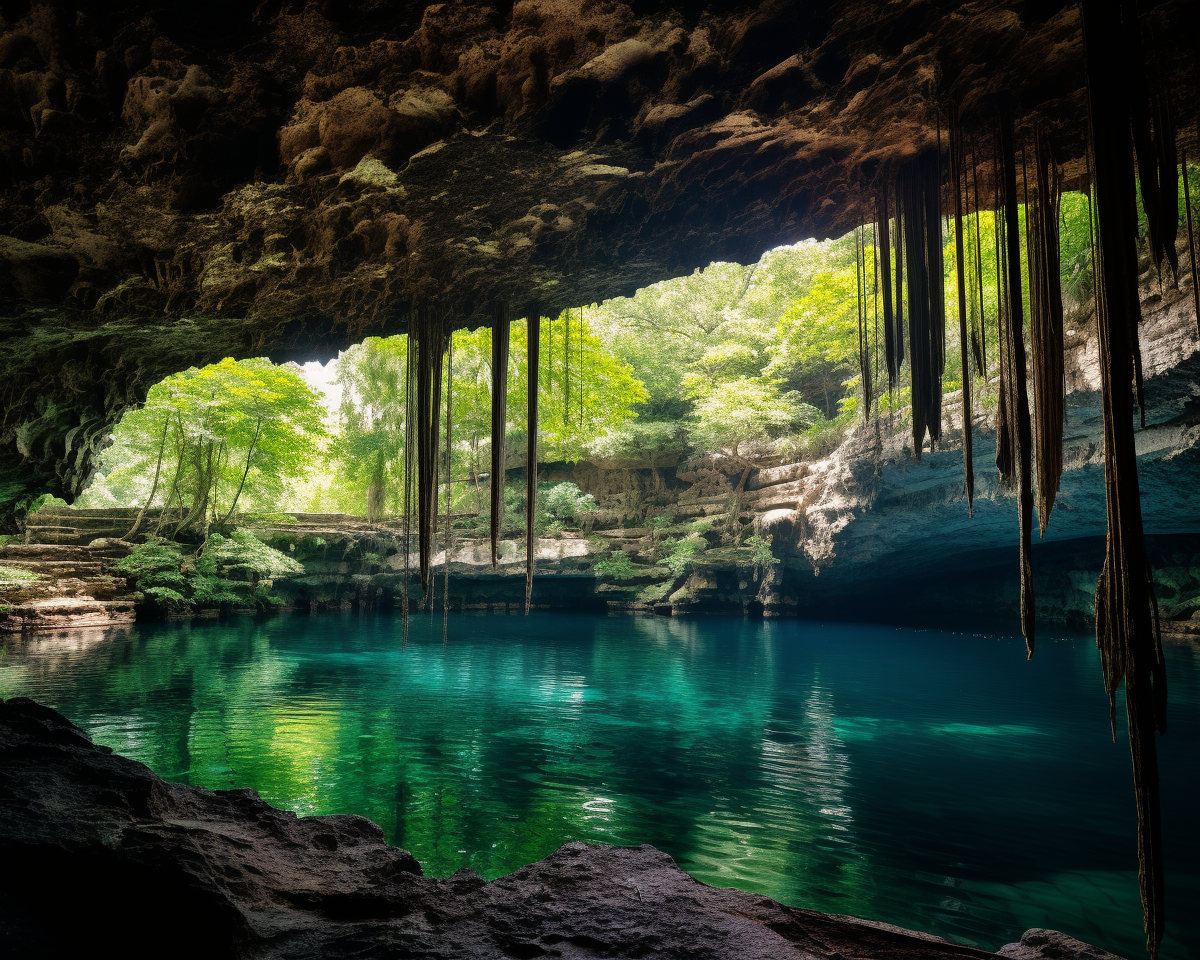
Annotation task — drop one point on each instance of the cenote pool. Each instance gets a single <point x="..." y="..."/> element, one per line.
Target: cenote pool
<point x="938" y="781"/>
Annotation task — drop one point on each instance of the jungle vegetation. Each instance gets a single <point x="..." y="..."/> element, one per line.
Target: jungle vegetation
<point x="756" y="363"/>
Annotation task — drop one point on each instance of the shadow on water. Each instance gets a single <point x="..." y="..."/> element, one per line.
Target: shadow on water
<point x="934" y="780"/>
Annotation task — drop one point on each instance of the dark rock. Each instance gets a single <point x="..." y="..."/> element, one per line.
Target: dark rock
<point x="1039" y="944"/>
<point x="182" y="182"/>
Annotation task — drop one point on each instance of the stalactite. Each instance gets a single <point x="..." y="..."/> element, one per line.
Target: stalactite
<point x="898" y="335"/>
<point x="1014" y="374"/>
<point x="1187" y="202"/>
<point x="981" y="343"/>
<point x="449" y="489"/>
<point x="934" y="245"/>
<point x="875" y="301"/>
<point x="864" y="360"/>
<point x="566" y="369"/>
<point x="533" y="334"/>
<point x="500" y="325"/>
<point x="958" y="179"/>
<point x="1046" y="327"/>
<point x="1154" y="139"/>
<point x="1126" y="634"/>
<point x="430" y="345"/>
<point x="885" y="263"/>
<point x="1168" y="183"/>
<point x="1140" y="120"/>
<point x="410" y="396"/>
<point x="581" y="367"/>
<point x="921" y="217"/>
<point x="1005" y="451"/>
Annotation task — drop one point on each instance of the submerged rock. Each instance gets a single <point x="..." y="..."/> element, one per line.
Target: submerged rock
<point x="102" y="857"/>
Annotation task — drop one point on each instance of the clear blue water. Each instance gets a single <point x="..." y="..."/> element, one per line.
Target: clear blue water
<point x="938" y="781"/>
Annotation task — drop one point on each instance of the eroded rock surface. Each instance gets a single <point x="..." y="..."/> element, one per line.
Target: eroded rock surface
<point x="103" y="858"/>
<point x="184" y="182"/>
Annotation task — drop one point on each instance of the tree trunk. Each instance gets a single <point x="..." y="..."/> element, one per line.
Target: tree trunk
<point x="162" y="444"/>
<point x="245" y="473"/>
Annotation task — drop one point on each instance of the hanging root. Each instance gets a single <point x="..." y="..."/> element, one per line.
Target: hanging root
<point x="898" y="334"/>
<point x="1130" y="649"/>
<point x="958" y="176"/>
<point x="920" y="217"/>
<point x="1187" y="202"/>
<point x="1046" y="327"/>
<point x="980" y="344"/>
<point x="449" y="449"/>
<point x="430" y="343"/>
<point x="410" y="433"/>
<point x="500" y="331"/>
<point x="1013" y="374"/>
<point x="864" y="358"/>
<point x="533" y="328"/>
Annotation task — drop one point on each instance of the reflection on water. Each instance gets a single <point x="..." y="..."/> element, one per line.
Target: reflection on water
<point x="932" y="780"/>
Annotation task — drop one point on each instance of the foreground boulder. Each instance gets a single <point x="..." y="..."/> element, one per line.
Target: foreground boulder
<point x="103" y="858"/>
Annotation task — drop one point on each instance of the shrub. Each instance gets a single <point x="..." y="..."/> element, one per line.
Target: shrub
<point x="616" y="566"/>
<point x="659" y="524"/>
<point x="152" y="557"/>
<point x="760" y="554"/>
<point x="242" y="550"/>
<point x="683" y="553"/>
<point x="170" y="581"/>
<point x="565" y="501"/>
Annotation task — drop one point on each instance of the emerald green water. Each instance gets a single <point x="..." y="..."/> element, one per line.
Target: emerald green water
<point x="938" y="781"/>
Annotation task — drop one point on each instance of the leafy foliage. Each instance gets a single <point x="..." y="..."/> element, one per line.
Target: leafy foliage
<point x="640" y="442"/>
<point x="565" y="501"/>
<point x="683" y="552"/>
<point x="369" y="447"/>
<point x="15" y="574"/>
<point x="760" y="553"/>
<point x="738" y="412"/>
<point x="616" y="566"/>
<point x="241" y="550"/>
<point x="209" y="439"/>
<point x="223" y="573"/>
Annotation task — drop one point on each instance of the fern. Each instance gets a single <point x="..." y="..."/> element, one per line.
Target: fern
<point x="166" y="597"/>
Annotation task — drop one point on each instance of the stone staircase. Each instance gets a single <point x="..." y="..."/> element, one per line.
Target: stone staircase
<point x="68" y="526"/>
<point x="75" y="584"/>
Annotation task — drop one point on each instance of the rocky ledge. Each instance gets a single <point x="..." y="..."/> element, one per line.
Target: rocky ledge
<point x="103" y="858"/>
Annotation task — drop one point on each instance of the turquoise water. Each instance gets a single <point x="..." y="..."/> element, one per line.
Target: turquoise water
<point x="938" y="781"/>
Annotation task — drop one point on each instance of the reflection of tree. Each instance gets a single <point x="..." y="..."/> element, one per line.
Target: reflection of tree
<point x="712" y="744"/>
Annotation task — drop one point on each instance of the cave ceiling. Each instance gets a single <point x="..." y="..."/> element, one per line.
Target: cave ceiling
<point x="180" y="182"/>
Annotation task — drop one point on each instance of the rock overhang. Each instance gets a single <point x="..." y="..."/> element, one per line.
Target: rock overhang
<point x="285" y="179"/>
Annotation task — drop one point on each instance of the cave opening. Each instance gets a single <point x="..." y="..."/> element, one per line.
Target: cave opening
<point x="551" y="548"/>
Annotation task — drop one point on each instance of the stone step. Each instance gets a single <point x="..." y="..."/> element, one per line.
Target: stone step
<point x="47" y="550"/>
<point x="56" y="568"/>
<point x="41" y="521"/>
<point x="67" y="613"/>
<point x="129" y="512"/>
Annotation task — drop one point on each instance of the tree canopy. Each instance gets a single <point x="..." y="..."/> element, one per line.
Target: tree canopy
<point x="212" y="438"/>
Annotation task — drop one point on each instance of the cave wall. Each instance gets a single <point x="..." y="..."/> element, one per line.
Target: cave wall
<point x="183" y="182"/>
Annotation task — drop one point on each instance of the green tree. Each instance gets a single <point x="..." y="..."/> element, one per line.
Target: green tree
<point x="736" y="413"/>
<point x="226" y="435"/>
<point x="816" y="346"/>
<point x="369" y="446"/>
